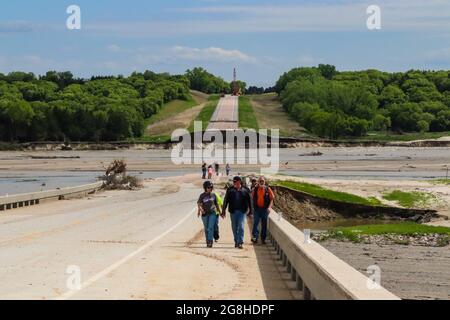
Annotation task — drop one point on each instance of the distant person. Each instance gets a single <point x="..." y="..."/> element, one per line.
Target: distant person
<point x="254" y="184"/>
<point x="239" y="202"/>
<point x="210" y="172"/>
<point x="216" y="168"/>
<point x="208" y="208"/>
<point x="228" y="169"/>
<point x="204" y="171"/>
<point x="263" y="197"/>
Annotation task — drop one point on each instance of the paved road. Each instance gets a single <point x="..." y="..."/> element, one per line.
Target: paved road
<point x="146" y="244"/>
<point x="226" y="115"/>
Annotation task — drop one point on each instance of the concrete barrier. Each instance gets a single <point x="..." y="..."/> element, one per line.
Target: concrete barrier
<point x="30" y="199"/>
<point x="318" y="273"/>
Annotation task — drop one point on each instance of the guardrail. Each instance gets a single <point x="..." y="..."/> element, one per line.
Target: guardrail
<point x="318" y="273"/>
<point x="30" y="199"/>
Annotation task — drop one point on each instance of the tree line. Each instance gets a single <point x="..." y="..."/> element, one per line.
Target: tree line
<point x="201" y="80"/>
<point x="59" y="107"/>
<point x="337" y="104"/>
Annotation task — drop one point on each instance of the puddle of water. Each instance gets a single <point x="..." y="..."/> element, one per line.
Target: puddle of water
<point x="32" y="181"/>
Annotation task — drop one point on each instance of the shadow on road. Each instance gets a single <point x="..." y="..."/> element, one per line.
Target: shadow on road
<point x="276" y="280"/>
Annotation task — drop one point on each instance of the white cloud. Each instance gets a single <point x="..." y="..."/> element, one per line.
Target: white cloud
<point x="306" y="59"/>
<point x="211" y="54"/>
<point x="114" y="48"/>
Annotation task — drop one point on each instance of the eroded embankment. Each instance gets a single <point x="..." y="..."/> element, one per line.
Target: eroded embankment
<point x="300" y="206"/>
<point x="283" y="143"/>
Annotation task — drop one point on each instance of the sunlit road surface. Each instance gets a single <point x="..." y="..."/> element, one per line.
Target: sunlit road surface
<point x="226" y="115"/>
<point x="145" y="244"/>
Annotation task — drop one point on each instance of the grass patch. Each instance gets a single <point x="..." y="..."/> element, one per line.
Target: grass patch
<point x="387" y="136"/>
<point x="170" y="109"/>
<point x="318" y="191"/>
<point x="206" y="114"/>
<point x="213" y="97"/>
<point x="374" y="201"/>
<point x="247" y="118"/>
<point x="409" y="199"/>
<point x="440" y="181"/>
<point x="151" y="139"/>
<point x="405" y="229"/>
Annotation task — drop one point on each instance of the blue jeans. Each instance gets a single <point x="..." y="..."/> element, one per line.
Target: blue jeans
<point x="216" y="229"/>
<point x="237" y="224"/>
<point x="209" y="222"/>
<point x="261" y="215"/>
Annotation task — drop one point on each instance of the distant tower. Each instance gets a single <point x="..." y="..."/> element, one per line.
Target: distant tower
<point x="235" y="87"/>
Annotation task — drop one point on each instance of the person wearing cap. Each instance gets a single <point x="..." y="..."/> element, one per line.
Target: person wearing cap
<point x="238" y="200"/>
<point x="207" y="205"/>
<point x="262" y="197"/>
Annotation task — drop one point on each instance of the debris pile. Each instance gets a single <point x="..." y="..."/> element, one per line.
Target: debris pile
<point x="116" y="177"/>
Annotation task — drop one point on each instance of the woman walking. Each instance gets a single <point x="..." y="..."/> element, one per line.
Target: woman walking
<point x="210" y="172"/>
<point x="208" y="208"/>
<point x="228" y="169"/>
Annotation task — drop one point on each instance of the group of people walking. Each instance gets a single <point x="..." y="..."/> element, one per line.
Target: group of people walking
<point x="241" y="202"/>
<point x="208" y="171"/>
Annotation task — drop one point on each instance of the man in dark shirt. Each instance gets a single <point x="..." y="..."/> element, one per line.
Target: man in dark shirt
<point x="238" y="200"/>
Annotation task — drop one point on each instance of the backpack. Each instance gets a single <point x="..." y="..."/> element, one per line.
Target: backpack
<point x="266" y="197"/>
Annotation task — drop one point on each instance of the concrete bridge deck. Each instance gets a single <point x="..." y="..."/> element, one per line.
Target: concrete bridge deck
<point x="146" y="244"/>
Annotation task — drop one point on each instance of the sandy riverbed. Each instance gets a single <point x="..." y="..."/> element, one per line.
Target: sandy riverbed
<point x="368" y="171"/>
<point x="410" y="272"/>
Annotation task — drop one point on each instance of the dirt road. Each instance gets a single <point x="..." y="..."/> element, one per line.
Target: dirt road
<point x="146" y="244"/>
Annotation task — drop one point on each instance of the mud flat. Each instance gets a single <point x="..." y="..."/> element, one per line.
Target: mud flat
<point x="411" y="272"/>
<point x="356" y="169"/>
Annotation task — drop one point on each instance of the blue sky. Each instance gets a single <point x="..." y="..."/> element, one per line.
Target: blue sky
<point x="261" y="38"/>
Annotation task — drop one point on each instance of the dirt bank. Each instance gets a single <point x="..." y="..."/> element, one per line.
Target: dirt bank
<point x="297" y="211"/>
<point x="299" y="205"/>
<point x="166" y="127"/>
<point x="376" y="188"/>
